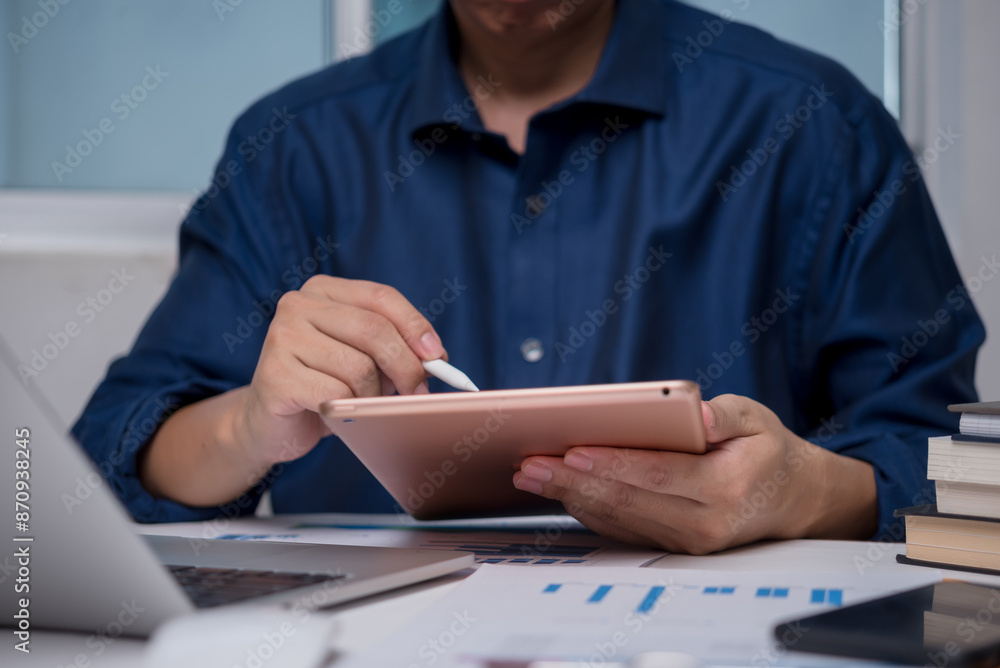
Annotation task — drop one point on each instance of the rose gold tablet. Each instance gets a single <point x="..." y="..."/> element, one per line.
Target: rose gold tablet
<point x="454" y="454"/>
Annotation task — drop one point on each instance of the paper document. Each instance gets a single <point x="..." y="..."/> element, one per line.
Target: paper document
<point x="599" y="616"/>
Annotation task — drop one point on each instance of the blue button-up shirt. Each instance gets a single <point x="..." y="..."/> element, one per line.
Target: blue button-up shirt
<point x="714" y="205"/>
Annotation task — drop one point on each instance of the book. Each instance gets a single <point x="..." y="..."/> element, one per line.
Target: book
<point x="954" y="459"/>
<point x="950" y="541"/>
<point x="979" y="419"/>
<point x="968" y="498"/>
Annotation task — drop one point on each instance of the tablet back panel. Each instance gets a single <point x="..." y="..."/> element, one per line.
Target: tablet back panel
<point x="455" y="454"/>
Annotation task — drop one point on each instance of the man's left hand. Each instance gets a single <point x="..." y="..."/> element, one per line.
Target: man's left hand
<point x="758" y="480"/>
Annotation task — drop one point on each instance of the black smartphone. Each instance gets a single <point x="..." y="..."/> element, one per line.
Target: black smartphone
<point x="949" y="624"/>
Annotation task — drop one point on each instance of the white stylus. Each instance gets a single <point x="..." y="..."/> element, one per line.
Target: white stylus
<point x="451" y="375"/>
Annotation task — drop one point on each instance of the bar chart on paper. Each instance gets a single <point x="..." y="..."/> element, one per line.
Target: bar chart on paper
<point x="602" y="615"/>
<point x="647" y="598"/>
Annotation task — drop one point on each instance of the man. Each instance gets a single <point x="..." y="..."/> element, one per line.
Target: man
<point x="560" y="195"/>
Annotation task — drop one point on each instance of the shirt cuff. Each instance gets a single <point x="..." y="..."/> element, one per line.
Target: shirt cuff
<point x="125" y="440"/>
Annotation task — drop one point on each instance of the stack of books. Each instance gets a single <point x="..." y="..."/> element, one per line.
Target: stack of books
<point x="963" y="529"/>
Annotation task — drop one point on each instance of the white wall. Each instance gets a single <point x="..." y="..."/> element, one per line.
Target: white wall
<point x="980" y="120"/>
<point x="61" y="251"/>
<point x="950" y="55"/>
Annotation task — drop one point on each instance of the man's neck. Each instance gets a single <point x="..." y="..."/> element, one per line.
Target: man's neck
<point x="535" y="68"/>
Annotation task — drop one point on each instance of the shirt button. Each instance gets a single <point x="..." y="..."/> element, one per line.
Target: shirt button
<point x="536" y="204"/>
<point x="532" y="350"/>
<point x="476" y="136"/>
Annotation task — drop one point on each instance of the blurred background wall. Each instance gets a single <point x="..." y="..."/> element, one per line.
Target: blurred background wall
<point x="188" y="69"/>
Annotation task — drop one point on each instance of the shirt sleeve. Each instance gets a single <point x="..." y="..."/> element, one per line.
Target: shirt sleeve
<point x="890" y="335"/>
<point x="204" y="337"/>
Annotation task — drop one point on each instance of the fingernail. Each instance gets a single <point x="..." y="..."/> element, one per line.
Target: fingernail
<point x="536" y="472"/>
<point x="526" y="484"/>
<point x="707" y="415"/>
<point x="430" y="346"/>
<point x="578" y="461"/>
<point x="422" y="388"/>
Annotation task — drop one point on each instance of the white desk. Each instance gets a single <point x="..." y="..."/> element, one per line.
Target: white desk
<point x="364" y="623"/>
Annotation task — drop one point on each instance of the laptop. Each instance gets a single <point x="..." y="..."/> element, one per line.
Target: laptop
<point x="73" y="562"/>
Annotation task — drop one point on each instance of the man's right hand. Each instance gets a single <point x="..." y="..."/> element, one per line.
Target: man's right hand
<point x="334" y="338"/>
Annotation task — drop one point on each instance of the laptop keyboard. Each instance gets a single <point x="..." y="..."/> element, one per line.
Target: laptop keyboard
<point x="209" y="587"/>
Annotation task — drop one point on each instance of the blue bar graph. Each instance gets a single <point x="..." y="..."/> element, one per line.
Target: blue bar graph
<point x="650" y="600"/>
<point x="718" y="590"/>
<point x="831" y="596"/>
<point x="776" y="592"/>
<point x="551" y="589"/>
<point x="599" y="594"/>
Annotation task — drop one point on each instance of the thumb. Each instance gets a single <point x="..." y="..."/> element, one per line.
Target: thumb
<point x="730" y="416"/>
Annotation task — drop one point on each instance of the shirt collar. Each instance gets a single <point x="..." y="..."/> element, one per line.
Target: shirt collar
<point x="631" y="73"/>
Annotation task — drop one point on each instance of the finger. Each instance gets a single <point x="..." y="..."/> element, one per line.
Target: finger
<point x="613" y="509"/>
<point x="414" y="328"/>
<point x="729" y="416"/>
<point x="292" y="387"/>
<point x="336" y="359"/>
<point x="673" y="473"/>
<point x="366" y="331"/>
<point x="615" y="502"/>
<point x="592" y="522"/>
